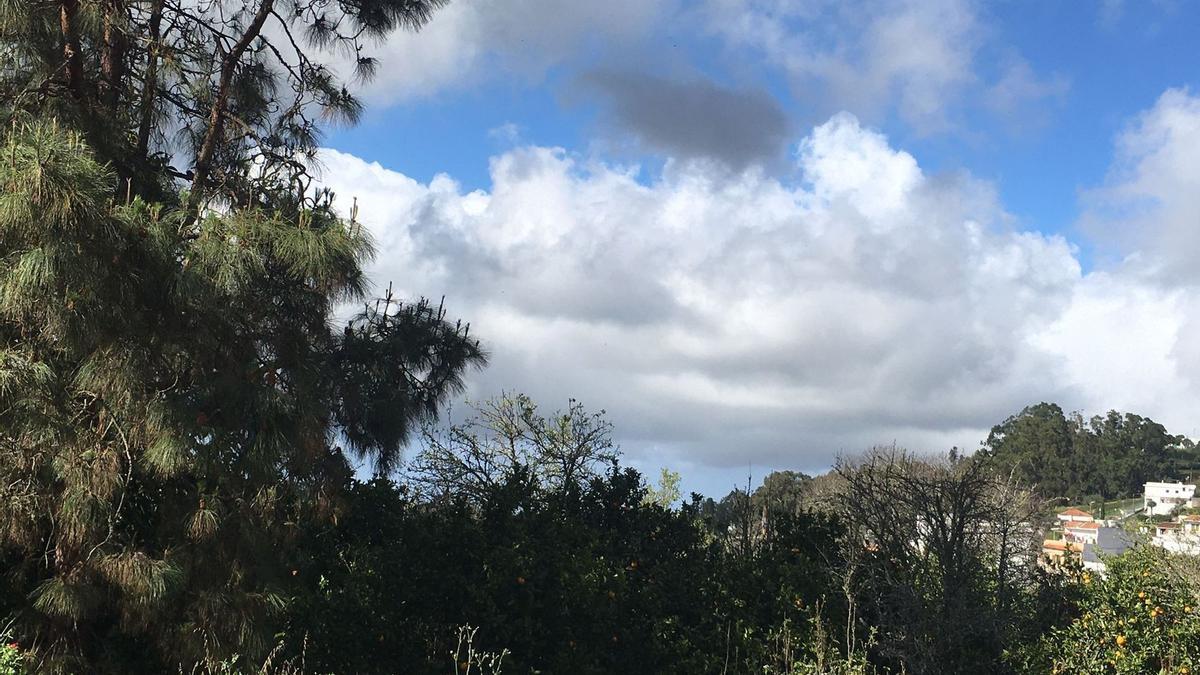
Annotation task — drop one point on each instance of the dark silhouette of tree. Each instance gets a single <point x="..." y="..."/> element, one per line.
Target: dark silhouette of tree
<point x="1068" y="458"/>
<point x="941" y="553"/>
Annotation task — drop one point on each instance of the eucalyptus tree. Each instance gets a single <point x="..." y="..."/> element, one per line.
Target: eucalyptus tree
<point x="1069" y="458"/>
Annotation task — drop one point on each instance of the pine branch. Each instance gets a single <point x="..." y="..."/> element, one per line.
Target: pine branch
<point x="216" y="116"/>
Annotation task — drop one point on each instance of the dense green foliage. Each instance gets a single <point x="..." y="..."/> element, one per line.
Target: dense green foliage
<point x="583" y="581"/>
<point x="174" y="406"/>
<point x="168" y="398"/>
<point x="581" y="575"/>
<point x="11" y="661"/>
<point x="1069" y="458"/>
<point x="1141" y="617"/>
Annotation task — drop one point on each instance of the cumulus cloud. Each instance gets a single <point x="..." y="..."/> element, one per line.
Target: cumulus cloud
<point x="694" y="119"/>
<point x="725" y="319"/>
<point x="1128" y="340"/>
<point x="1147" y="210"/>
<point x="1117" y="342"/>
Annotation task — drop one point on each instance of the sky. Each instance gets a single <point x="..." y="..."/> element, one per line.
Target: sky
<point x="761" y="234"/>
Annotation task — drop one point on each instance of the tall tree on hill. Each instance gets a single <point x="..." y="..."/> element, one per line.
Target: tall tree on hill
<point x="1036" y="445"/>
<point x="172" y="398"/>
<point x="1069" y="458"/>
<point x="1132" y="450"/>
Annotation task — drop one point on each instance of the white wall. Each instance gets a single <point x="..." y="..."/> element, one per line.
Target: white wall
<point x="1161" y="498"/>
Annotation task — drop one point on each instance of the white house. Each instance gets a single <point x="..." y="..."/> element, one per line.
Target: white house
<point x="1082" y="533"/>
<point x="1100" y="542"/>
<point x="1180" y="536"/>
<point x="1160" y="499"/>
<point x="1074" y="515"/>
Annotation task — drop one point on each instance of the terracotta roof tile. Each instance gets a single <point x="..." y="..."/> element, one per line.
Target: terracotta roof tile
<point x="1060" y="545"/>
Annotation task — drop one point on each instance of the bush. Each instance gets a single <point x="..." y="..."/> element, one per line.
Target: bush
<point x="1143" y="616"/>
<point x="12" y="661"/>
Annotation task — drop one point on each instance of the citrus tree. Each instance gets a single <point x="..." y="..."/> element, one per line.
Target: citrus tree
<point x="1141" y="616"/>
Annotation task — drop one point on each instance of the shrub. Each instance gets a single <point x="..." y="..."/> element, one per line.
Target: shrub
<point x="12" y="661"/>
<point x="1142" y="616"/>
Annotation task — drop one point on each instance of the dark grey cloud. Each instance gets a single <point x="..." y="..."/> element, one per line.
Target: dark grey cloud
<point x="696" y="118"/>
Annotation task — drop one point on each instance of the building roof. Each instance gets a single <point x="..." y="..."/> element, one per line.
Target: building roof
<point x="1109" y="541"/>
<point x="1089" y="525"/>
<point x="1075" y="512"/>
<point x="1167" y="526"/>
<point x="1061" y="545"/>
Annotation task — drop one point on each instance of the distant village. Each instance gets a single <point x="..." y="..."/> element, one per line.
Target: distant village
<point x="1168" y="517"/>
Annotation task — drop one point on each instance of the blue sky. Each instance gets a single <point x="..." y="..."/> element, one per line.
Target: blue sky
<point x="763" y="233"/>
<point x="1111" y="61"/>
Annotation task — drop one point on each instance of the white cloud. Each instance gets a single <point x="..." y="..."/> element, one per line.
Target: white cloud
<point x="508" y="133"/>
<point x="1020" y="95"/>
<point x="1110" y="12"/>
<point x="1147" y="210"/>
<point x="732" y="319"/>
<point x="915" y="57"/>
<point x="1117" y="342"/>
<point x="1128" y="340"/>
<point x="725" y="319"/>
<point x="520" y="37"/>
<point x="918" y="58"/>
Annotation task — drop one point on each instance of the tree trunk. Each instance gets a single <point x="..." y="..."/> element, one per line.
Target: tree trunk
<point x="150" y="81"/>
<point x="112" y="59"/>
<point x="216" y="116"/>
<point x="72" y="54"/>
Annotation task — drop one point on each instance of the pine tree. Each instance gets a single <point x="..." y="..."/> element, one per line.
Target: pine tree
<point x="225" y="95"/>
<point x="175" y="405"/>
